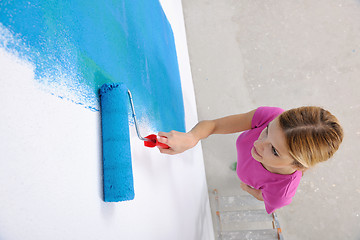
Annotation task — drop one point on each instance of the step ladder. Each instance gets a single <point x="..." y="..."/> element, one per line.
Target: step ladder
<point x="244" y="218"/>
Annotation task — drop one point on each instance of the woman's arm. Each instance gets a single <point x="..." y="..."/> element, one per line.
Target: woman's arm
<point x="180" y="142"/>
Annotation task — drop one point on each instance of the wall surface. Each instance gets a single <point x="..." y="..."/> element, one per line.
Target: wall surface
<point x="53" y="58"/>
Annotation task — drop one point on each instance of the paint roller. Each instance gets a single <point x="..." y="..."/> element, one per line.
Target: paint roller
<point x="117" y="168"/>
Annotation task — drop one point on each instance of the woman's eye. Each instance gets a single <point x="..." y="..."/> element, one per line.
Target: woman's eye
<point x="274" y="151"/>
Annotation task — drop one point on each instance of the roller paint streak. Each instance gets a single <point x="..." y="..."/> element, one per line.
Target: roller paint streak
<point x="77" y="47"/>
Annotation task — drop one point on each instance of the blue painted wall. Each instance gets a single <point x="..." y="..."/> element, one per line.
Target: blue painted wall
<point x="79" y="45"/>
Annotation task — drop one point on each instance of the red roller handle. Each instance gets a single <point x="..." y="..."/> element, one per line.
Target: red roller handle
<point x="154" y="142"/>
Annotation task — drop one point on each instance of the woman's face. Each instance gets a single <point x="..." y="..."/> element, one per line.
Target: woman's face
<point x="271" y="150"/>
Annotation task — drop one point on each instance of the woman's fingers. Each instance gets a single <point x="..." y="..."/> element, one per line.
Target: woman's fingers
<point x="164" y="134"/>
<point x="164" y="140"/>
<point x="178" y="142"/>
<point x="244" y="186"/>
<point x="166" y="151"/>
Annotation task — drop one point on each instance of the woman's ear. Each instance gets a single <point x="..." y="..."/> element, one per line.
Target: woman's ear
<point x="298" y="166"/>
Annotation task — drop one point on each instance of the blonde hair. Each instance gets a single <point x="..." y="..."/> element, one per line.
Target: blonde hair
<point x="312" y="134"/>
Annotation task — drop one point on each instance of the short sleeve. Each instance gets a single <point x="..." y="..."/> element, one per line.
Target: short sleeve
<point x="273" y="202"/>
<point x="279" y="194"/>
<point x="264" y="115"/>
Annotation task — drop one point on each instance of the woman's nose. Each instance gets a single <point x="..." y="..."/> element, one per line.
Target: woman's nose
<point x="259" y="145"/>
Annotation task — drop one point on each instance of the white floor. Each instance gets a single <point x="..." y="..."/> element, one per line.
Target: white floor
<point x="246" y="54"/>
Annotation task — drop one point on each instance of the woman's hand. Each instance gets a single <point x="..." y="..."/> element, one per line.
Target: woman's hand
<point x="245" y="187"/>
<point x="177" y="141"/>
<point x="255" y="192"/>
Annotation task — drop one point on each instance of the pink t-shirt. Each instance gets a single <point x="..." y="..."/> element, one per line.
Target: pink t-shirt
<point x="277" y="189"/>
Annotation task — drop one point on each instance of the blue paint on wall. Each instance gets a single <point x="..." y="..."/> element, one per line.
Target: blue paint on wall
<point x="79" y="45"/>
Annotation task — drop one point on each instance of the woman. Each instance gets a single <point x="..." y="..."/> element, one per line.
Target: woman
<point x="275" y="149"/>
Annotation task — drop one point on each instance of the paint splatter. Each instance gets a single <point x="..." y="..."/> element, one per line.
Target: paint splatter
<point x="77" y="46"/>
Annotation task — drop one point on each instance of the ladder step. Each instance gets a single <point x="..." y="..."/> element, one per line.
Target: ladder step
<point x="265" y="234"/>
<point x="245" y="216"/>
<point x="239" y="203"/>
